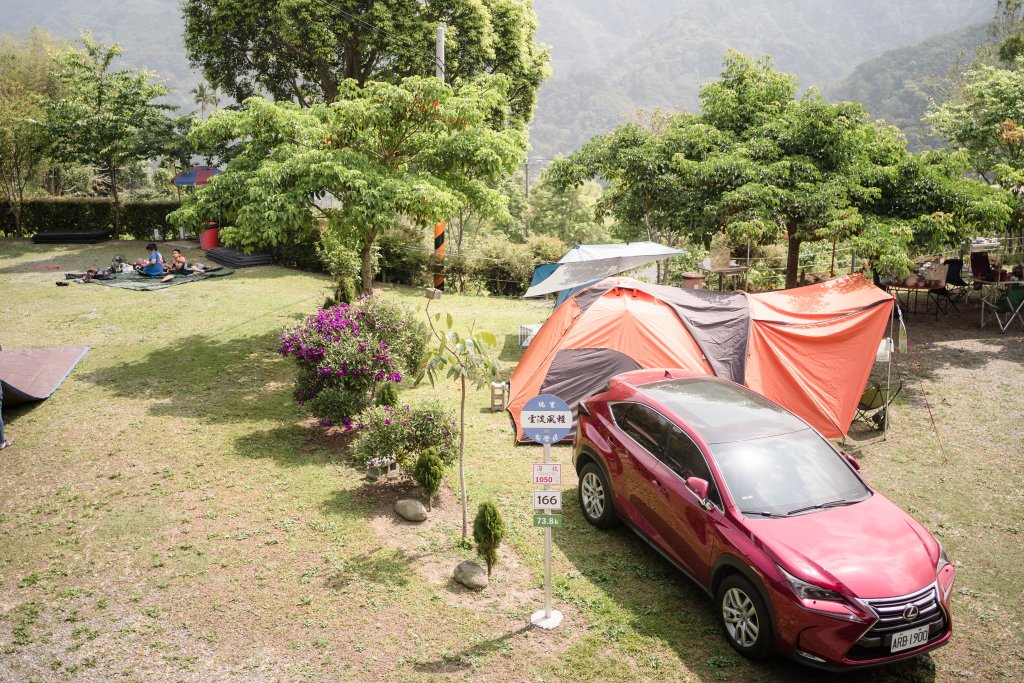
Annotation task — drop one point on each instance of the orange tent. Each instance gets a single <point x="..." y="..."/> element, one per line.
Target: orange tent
<point x="809" y="349"/>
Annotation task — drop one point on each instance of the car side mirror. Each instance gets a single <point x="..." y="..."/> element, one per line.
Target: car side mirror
<point x="852" y="460"/>
<point x="699" y="487"/>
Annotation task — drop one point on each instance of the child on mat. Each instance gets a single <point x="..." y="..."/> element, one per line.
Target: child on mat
<point x="152" y="266"/>
<point x="179" y="266"/>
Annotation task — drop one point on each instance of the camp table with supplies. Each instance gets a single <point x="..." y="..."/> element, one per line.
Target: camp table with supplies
<point x="732" y="270"/>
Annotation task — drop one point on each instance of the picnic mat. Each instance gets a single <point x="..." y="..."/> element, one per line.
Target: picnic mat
<point x="28" y="375"/>
<point x="140" y="283"/>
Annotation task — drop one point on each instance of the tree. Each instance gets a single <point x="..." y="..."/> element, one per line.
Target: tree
<point x="488" y="532"/>
<point x="414" y="150"/>
<point x="986" y="120"/>
<point x="760" y="164"/>
<point x="303" y="50"/>
<point x="107" y="118"/>
<point x="25" y="83"/>
<point x="205" y="96"/>
<point x="568" y="214"/>
<point x="466" y="359"/>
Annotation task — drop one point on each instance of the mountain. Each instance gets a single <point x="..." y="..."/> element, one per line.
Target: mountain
<point x="898" y="85"/>
<point x="150" y="31"/>
<point x="666" y="58"/>
<point x="609" y="57"/>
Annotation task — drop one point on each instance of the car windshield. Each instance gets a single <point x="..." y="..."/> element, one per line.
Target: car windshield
<point x="788" y="474"/>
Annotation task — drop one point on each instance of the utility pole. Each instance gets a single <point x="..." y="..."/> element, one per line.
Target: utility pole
<point x="526" y="168"/>
<point x="439" y="228"/>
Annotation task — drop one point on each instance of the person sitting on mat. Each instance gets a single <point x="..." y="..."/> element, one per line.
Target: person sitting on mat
<point x="153" y="266"/>
<point x="179" y="266"/>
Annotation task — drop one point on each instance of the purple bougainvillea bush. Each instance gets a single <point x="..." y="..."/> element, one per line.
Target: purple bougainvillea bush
<point x="351" y="357"/>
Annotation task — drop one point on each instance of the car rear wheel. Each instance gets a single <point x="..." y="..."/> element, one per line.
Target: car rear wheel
<point x="744" y="618"/>
<point x="596" y="497"/>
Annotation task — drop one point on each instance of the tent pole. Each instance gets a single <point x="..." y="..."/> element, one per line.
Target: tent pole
<point x="890" y="349"/>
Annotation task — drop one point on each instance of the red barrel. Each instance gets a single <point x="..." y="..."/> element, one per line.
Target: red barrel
<point x="210" y="238"/>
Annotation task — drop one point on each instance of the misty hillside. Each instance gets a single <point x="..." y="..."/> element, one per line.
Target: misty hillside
<point x="609" y="57"/>
<point x="820" y="41"/>
<point x="898" y="85"/>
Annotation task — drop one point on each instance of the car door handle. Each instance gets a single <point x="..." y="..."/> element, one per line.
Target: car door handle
<point x="658" y="485"/>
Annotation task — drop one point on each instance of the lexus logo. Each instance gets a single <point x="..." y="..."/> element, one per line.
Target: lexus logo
<point x="911" y="612"/>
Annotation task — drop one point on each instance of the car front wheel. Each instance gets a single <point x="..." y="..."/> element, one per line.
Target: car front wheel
<point x="596" y="497"/>
<point x="744" y="618"/>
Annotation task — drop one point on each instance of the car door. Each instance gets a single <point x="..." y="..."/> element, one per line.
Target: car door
<point x="638" y="451"/>
<point x="685" y="525"/>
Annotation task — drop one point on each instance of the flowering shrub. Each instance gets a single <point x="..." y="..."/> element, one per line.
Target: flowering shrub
<point x="346" y="354"/>
<point x="403" y="433"/>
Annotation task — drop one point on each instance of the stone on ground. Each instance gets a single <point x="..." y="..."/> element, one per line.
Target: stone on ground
<point x="411" y="509"/>
<point x="471" y="575"/>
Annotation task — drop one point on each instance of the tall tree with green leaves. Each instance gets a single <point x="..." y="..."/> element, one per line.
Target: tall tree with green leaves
<point x="25" y="83"/>
<point x="761" y="164"/>
<point x="303" y="50"/>
<point x="205" y="95"/>
<point x="415" y="150"/>
<point x="105" y="118"/>
<point x="986" y="119"/>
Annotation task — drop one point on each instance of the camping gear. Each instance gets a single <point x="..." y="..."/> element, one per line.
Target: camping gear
<point x="956" y="284"/>
<point x="237" y="259"/>
<point x="71" y="237"/>
<point x="586" y="264"/>
<point x="1009" y="306"/>
<point x="808" y="349"/>
<point x="142" y="283"/>
<point x="31" y="375"/>
<point x="874" y="403"/>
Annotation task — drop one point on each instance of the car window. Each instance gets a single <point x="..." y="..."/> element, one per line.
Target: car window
<point x="683" y="457"/>
<point x="786" y="473"/>
<point x="645" y="426"/>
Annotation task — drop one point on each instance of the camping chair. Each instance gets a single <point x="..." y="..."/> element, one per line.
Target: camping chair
<point x="874" y="402"/>
<point x="981" y="268"/>
<point x="957" y="286"/>
<point x="1009" y="306"/>
<point x="938" y="294"/>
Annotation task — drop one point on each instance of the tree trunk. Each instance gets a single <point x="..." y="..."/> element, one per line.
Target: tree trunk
<point x="792" y="260"/>
<point x="462" y="457"/>
<point x="366" y="271"/>
<point x="117" y="202"/>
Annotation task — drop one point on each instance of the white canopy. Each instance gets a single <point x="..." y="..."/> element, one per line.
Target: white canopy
<point x="588" y="263"/>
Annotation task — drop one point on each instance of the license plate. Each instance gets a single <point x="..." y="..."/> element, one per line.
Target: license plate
<point x="905" y="640"/>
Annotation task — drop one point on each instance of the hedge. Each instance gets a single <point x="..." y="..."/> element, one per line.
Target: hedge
<point x="86" y="214"/>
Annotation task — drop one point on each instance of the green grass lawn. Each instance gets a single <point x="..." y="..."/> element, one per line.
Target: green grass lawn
<point x="171" y="515"/>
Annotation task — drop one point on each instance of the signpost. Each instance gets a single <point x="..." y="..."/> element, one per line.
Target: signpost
<point x="546" y="420"/>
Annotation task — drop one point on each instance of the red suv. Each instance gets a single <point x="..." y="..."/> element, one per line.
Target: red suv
<point x="801" y="556"/>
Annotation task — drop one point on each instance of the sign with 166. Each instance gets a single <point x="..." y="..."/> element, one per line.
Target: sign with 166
<point x="547" y="500"/>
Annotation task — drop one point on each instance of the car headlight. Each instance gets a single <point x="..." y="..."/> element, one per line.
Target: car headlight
<point x="808" y="591"/>
<point x="943" y="559"/>
<point x="824" y="601"/>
